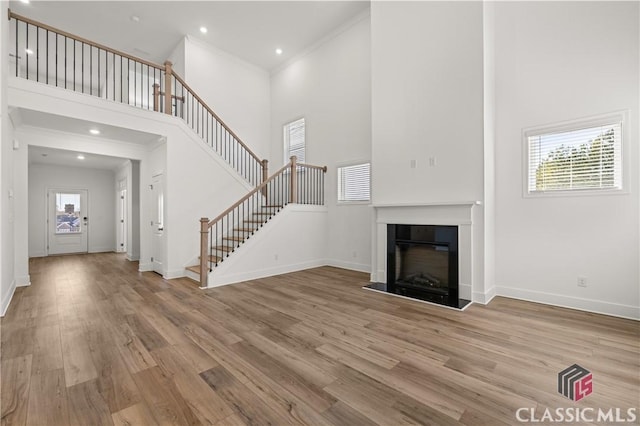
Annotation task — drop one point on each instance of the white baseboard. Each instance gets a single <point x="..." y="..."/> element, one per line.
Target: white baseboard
<point x="132" y="257"/>
<point x="145" y="267"/>
<point x="6" y="300"/>
<point x="217" y="281"/>
<point x="23" y="281"/>
<point x="352" y="266"/>
<point x="176" y="273"/>
<point x="589" y="305"/>
<point x="38" y="254"/>
<point x="102" y="250"/>
<point x="484" y="298"/>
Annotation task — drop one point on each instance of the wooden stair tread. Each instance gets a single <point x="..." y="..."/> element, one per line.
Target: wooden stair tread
<point x="238" y="239"/>
<point x="222" y="248"/>
<point x="195" y="269"/>
<point x="214" y="259"/>
<point x="263" y="214"/>
<point x="254" y="221"/>
<point x="245" y="230"/>
<point x="274" y="206"/>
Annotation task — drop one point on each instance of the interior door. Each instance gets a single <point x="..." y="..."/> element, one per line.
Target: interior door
<point x="122" y="221"/>
<point x="157" y="191"/>
<point x="68" y="223"/>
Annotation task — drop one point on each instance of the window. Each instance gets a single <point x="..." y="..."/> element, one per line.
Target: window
<point x="575" y="157"/>
<point x="68" y="213"/>
<point x="354" y="183"/>
<point x="294" y="140"/>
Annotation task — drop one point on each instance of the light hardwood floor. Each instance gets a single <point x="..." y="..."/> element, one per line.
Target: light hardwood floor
<point x="92" y="341"/>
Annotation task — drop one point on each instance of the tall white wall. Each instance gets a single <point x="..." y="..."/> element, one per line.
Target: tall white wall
<point x="428" y="124"/>
<point x="7" y="275"/>
<point x="556" y="61"/>
<point x="427" y="101"/>
<point x="237" y="91"/>
<point x="331" y="88"/>
<point x="100" y="185"/>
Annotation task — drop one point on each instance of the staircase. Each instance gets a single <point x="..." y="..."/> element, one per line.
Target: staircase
<point x="294" y="183"/>
<point x="51" y="56"/>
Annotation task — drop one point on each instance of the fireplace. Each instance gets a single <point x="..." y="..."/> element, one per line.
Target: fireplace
<point x="422" y="263"/>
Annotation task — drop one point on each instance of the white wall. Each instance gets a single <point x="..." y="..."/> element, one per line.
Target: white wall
<point x="331" y="88"/>
<point x="557" y="61"/>
<point x="21" y="221"/>
<point x="277" y="247"/>
<point x="101" y="209"/>
<point x="427" y="101"/>
<point x="428" y="124"/>
<point x="238" y="92"/>
<point x="7" y="282"/>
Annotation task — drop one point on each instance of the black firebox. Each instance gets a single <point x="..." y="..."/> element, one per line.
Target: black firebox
<point x="422" y="263"/>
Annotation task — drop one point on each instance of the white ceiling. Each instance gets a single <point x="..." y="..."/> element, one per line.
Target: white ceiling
<point x="25" y="117"/>
<point x="59" y="157"/>
<point x="251" y="30"/>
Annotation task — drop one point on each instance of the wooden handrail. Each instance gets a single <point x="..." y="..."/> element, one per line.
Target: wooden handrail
<point x="83" y="40"/>
<point x="246" y="197"/>
<point x="222" y="123"/>
<point x="311" y="166"/>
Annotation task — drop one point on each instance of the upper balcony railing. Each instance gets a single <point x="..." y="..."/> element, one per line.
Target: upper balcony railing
<point x="41" y="53"/>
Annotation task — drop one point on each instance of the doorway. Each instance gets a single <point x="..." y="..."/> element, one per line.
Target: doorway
<point x="157" y="224"/>
<point x="68" y="222"/>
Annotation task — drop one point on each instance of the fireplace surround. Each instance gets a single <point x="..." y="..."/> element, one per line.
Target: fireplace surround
<point x="422" y="263"/>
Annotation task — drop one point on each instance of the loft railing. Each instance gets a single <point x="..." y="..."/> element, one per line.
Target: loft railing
<point x="48" y="55"/>
<point x="294" y="183"/>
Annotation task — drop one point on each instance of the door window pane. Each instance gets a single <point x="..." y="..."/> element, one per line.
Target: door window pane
<point x="68" y="220"/>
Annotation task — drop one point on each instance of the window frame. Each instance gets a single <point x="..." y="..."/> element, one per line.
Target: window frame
<point x="287" y="141"/>
<point x="577" y="124"/>
<point x="352" y="202"/>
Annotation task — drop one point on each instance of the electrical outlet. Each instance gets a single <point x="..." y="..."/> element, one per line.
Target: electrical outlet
<point x="413" y="164"/>
<point x="355" y="254"/>
<point x="582" y="281"/>
<point x="275" y="257"/>
<point x="432" y="161"/>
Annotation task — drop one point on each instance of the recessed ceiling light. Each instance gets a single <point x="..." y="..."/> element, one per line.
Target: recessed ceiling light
<point x="203" y="30"/>
<point x="135" y="18"/>
<point x="94" y="131"/>
<point x="44" y="155"/>
<point x="24" y="1"/>
<point x="80" y="157"/>
<point x="28" y="51"/>
<point x="278" y="51"/>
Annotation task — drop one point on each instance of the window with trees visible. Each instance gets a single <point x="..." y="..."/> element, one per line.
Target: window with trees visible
<point x="294" y="140"/>
<point x="354" y="183"/>
<point x="581" y="156"/>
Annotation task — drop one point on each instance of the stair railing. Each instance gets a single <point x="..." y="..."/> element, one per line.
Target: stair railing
<point x="45" y="54"/>
<point x="295" y="183"/>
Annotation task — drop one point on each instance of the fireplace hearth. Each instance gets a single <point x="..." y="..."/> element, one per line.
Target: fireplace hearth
<point x="422" y="263"/>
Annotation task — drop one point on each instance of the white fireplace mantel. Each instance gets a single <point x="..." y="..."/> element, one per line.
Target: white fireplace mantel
<point x="464" y="214"/>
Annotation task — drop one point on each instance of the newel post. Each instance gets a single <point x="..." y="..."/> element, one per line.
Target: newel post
<point x="293" y="191"/>
<point x="204" y="251"/>
<point x="265" y="175"/>
<point x="167" y="87"/>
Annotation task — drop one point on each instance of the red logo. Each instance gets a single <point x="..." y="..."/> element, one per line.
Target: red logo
<point x="575" y="382"/>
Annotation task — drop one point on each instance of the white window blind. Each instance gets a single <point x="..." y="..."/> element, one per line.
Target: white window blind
<point x="354" y="182"/>
<point x="294" y="140"/>
<point x="584" y="157"/>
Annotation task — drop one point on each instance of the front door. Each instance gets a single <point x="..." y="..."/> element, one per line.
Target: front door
<point x="67" y="221"/>
<point x="157" y="191"/>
